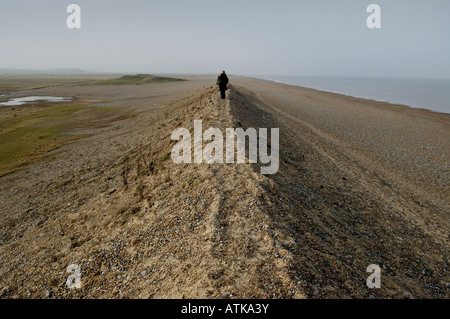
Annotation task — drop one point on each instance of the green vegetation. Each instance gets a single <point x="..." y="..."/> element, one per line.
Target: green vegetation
<point x="27" y="136"/>
<point x="18" y="83"/>
<point x="136" y="80"/>
<point x="166" y="156"/>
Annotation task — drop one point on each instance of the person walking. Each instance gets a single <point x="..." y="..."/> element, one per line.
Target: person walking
<point x="222" y="81"/>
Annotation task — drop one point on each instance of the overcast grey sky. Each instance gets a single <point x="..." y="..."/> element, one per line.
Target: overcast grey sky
<point x="246" y="37"/>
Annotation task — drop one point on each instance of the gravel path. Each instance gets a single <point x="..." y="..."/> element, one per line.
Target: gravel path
<point x="360" y="183"/>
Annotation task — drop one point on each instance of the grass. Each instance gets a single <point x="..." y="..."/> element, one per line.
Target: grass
<point x="136" y="80"/>
<point x="166" y="156"/>
<point x="26" y="137"/>
<point x="30" y="135"/>
<point x="10" y="83"/>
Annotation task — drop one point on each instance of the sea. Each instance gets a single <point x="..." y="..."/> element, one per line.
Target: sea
<point x="431" y="94"/>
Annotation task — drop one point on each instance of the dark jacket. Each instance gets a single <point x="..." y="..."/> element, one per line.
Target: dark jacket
<point x="222" y="80"/>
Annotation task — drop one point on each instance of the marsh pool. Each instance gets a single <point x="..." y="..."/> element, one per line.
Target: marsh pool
<point x="28" y="99"/>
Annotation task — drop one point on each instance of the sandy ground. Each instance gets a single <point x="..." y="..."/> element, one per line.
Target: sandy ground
<point x="360" y="182"/>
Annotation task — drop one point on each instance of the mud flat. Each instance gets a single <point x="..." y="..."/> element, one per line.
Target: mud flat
<point x="359" y="183"/>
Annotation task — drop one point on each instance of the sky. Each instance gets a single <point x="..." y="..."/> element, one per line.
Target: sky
<point x="245" y="37"/>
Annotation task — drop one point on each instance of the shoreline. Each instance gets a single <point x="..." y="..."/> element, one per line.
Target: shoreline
<point x="361" y="96"/>
<point x="79" y="78"/>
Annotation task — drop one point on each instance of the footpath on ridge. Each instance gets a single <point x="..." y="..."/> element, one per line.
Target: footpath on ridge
<point x="156" y="229"/>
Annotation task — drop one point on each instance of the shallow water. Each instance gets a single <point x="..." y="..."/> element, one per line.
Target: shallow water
<point x="419" y="93"/>
<point x="28" y="99"/>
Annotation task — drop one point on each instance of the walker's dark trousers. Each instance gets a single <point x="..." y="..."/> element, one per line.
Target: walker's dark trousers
<point x="222" y="92"/>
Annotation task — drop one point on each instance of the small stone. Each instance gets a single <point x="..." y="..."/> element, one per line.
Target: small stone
<point x="144" y="273"/>
<point x="407" y="295"/>
<point x="48" y="294"/>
